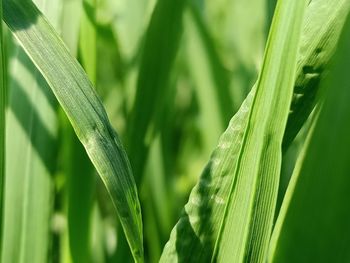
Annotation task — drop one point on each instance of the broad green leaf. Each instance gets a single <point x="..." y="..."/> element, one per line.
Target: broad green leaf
<point x="202" y="214"/>
<point x="159" y="51"/>
<point x="2" y="123"/>
<point x="77" y="97"/>
<point x="314" y="222"/>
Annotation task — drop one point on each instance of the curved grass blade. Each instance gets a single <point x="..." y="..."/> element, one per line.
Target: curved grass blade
<point x="197" y="229"/>
<point x="314" y="222"/>
<point x="74" y="92"/>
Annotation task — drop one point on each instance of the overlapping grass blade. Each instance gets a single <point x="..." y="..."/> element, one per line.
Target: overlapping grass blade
<point x="81" y="181"/>
<point x="314" y="56"/>
<point x="324" y="21"/>
<point x="159" y="51"/>
<point x="314" y="223"/>
<point x="245" y="229"/>
<point x="190" y="233"/>
<point x="77" y="195"/>
<point x="85" y="111"/>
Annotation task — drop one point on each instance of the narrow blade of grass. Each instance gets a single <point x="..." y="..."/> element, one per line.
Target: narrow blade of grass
<point x="2" y="123"/>
<point x="81" y="181"/>
<point x="159" y="51"/>
<point x="31" y="138"/>
<point x="245" y="229"/>
<point x="314" y="223"/>
<point x="31" y="141"/>
<point x="80" y="198"/>
<point x="84" y="109"/>
<point x="70" y="27"/>
<point x="211" y="80"/>
<point x="191" y="234"/>
<point x="129" y="23"/>
<point x="77" y="193"/>
<point x="324" y="21"/>
<point x="88" y="39"/>
<point x="240" y="30"/>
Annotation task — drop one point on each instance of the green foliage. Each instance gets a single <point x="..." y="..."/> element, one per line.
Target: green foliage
<point x="314" y="220"/>
<point x="169" y="76"/>
<point x="2" y="122"/>
<point x="85" y="111"/>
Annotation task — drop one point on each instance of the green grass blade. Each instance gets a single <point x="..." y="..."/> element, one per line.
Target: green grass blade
<point x="85" y="111"/>
<point x="240" y="29"/>
<point x="2" y="123"/>
<point x="31" y="134"/>
<point x="81" y="181"/>
<point x="314" y="223"/>
<point x="130" y="18"/>
<point x="71" y="14"/>
<point x="88" y="39"/>
<point x="31" y="141"/>
<point x="324" y="21"/>
<point x="156" y="197"/>
<point x="80" y="197"/>
<point x="159" y="51"/>
<point x="247" y="223"/>
<point x="202" y="215"/>
<point x="211" y="80"/>
<point x="198" y="225"/>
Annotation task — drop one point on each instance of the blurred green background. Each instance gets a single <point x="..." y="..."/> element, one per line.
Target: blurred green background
<point x="171" y="74"/>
